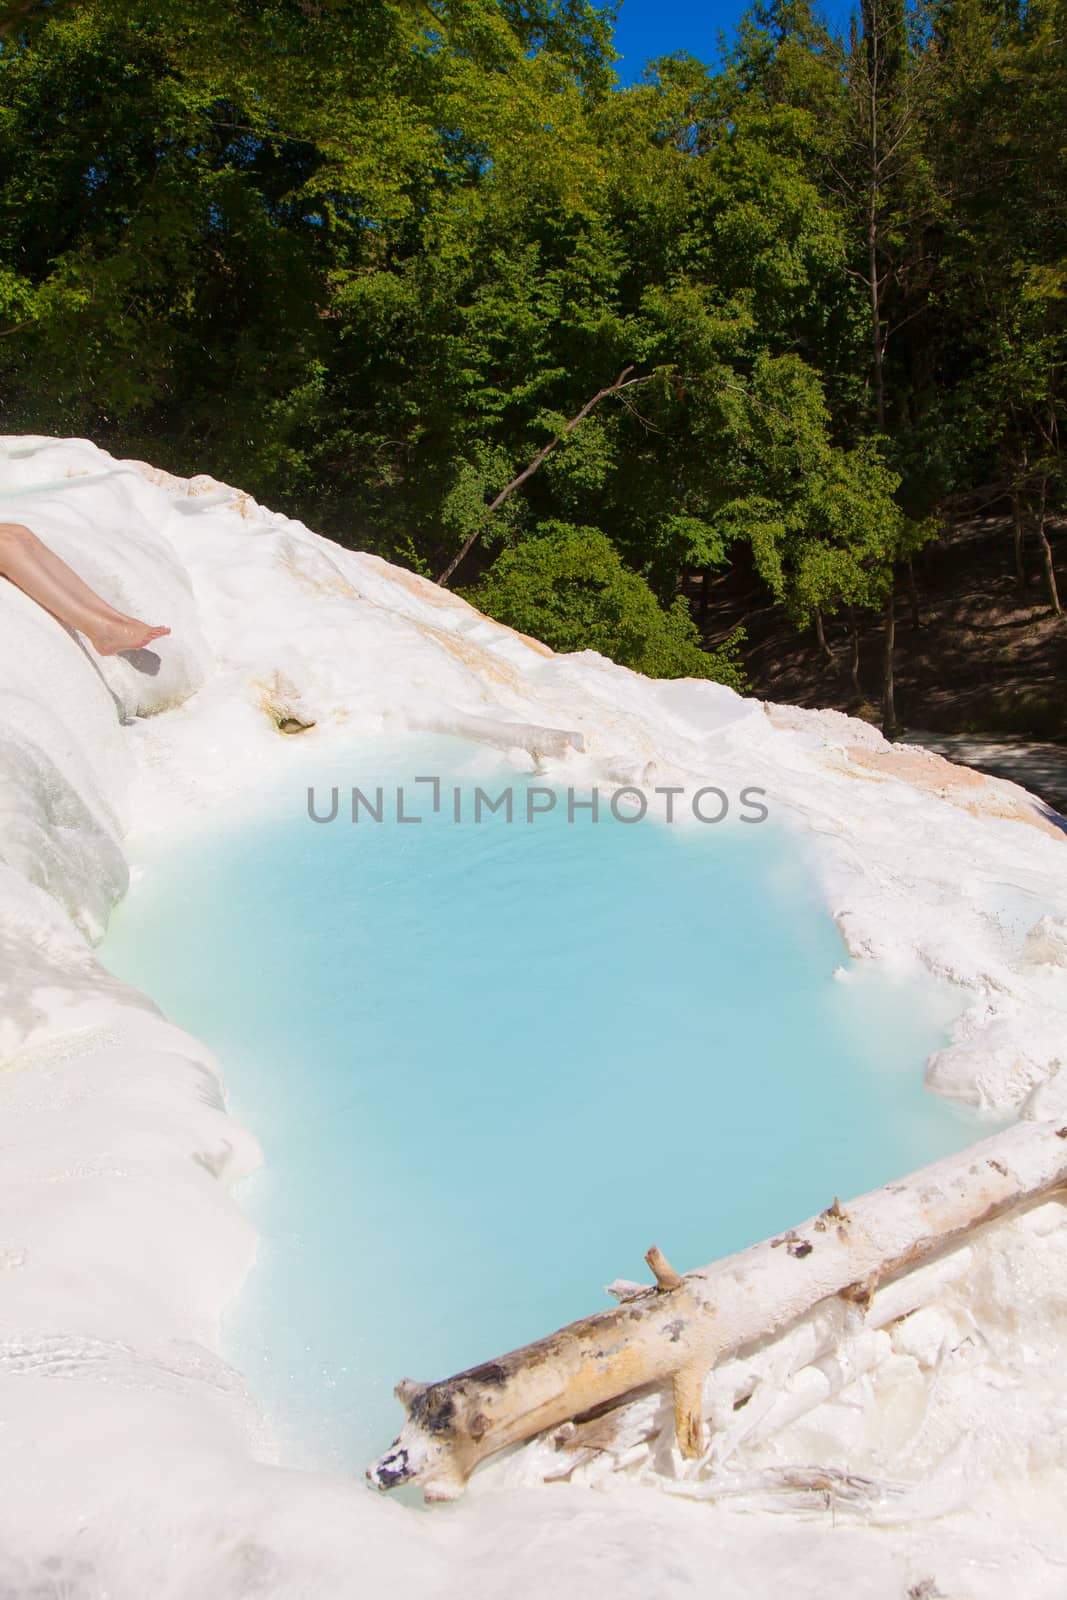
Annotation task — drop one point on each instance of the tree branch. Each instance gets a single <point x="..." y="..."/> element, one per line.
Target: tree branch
<point x="623" y="381"/>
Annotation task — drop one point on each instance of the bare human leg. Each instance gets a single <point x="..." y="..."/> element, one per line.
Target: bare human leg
<point x="34" y="569"/>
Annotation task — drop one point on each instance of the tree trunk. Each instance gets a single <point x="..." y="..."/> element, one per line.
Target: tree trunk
<point x="874" y="54"/>
<point x="913" y="597"/>
<point x="1017" y="539"/>
<point x="1046" y="550"/>
<point x="889" y="707"/>
<point x="676" y="1331"/>
<point x="705" y="591"/>
<point x="877" y="362"/>
<point x="821" y="636"/>
<point x="854" y="663"/>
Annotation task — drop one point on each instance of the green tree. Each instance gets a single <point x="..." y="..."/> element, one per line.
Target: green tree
<point x="568" y="586"/>
<point x="1003" y="103"/>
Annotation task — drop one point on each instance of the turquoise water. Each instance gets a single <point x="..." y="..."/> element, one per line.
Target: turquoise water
<point x="490" y="1065"/>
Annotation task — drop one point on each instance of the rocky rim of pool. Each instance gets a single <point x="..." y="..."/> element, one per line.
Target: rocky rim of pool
<point x="139" y="1463"/>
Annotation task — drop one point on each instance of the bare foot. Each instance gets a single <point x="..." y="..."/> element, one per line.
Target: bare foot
<point x="129" y="635"/>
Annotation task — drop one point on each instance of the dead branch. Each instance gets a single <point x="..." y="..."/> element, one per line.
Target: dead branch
<point x="623" y="381"/>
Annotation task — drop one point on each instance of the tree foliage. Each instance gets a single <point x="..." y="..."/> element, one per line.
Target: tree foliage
<point x="366" y="258"/>
<point x="569" y="586"/>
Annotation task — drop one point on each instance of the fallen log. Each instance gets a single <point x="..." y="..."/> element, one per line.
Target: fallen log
<point x="542" y="743"/>
<point x="677" y="1330"/>
<point x="758" y="1393"/>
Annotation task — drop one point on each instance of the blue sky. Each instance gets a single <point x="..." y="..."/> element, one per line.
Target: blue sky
<point x="650" y="28"/>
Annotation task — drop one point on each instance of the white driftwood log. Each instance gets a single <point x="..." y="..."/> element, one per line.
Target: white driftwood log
<point x="757" y="1393"/>
<point x="541" y="742"/>
<point x="678" y="1330"/>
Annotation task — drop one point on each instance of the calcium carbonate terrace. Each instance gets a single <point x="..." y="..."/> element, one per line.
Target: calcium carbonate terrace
<point x="465" y="1135"/>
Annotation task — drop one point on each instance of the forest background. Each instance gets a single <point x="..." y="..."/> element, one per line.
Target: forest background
<point x="371" y="259"/>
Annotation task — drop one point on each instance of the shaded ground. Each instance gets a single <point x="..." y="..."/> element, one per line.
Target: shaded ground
<point x="1038" y="766"/>
<point x="980" y="658"/>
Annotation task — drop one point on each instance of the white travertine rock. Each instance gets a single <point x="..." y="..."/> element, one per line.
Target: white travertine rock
<point x="134" y="1463"/>
<point x="1046" y="943"/>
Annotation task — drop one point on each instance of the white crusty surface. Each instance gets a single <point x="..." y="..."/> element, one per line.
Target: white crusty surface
<point x="134" y="1463"/>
